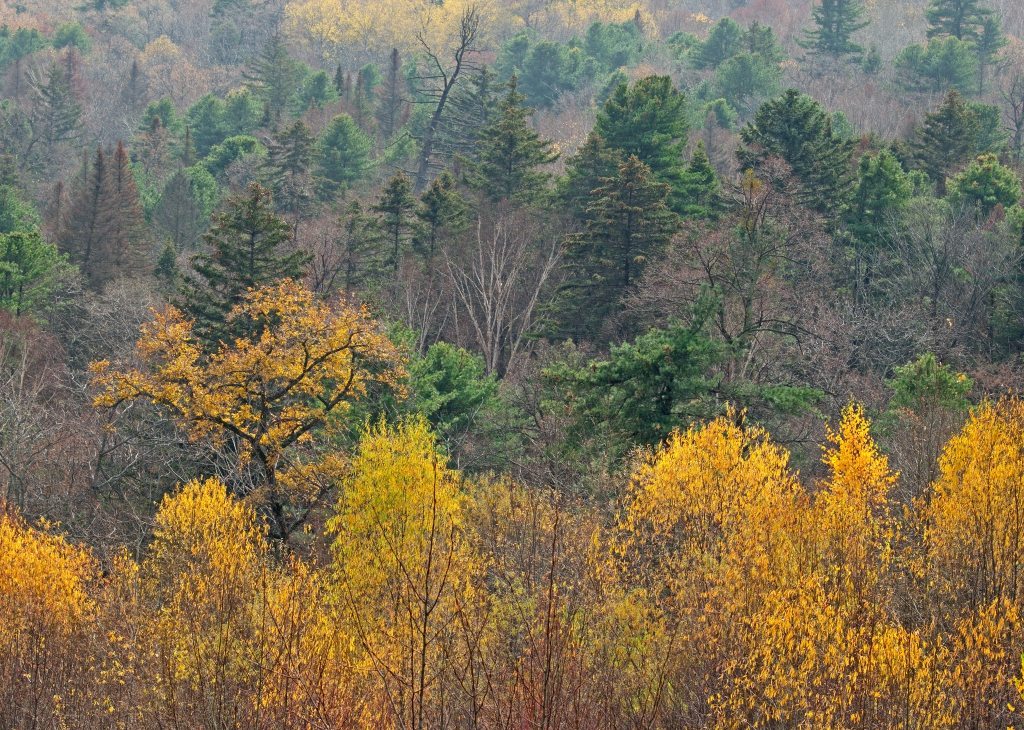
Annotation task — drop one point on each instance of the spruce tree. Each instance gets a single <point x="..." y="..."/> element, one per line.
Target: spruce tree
<point x="724" y="41"/>
<point x="56" y="113"/>
<point x="630" y="223"/>
<point x="441" y="212"/>
<point x="470" y="109"/>
<point x="392" y="106"/>
<point x="396" y="206"/>
<point x="990" y="41"/>
<point x="700" y="189"/>
<point x="510" y="153"/>
<point x="946" y="140"/>
<point x="343" y="154"/>
<point x="795" y="128"/>
<point x="247" y="247"/>
<point x="286" y="170"/>
<point x="961" y="19"/>
<point x="275" y="77"/>
<point x="649" y="121"/>
<point x="127" y="241"/>
<point x="835" y="22"/>
<point x="586" y="171"/>
<point x="361" y="250"/>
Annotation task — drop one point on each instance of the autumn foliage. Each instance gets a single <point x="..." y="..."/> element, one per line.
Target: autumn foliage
<point x="726" y="592"/>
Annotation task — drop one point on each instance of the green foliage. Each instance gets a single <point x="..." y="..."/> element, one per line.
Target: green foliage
<point x="649" y="120"/>
<point x="30" y="270"/>
<point x="231" y="149"/>
<point x="614" y="45"/>
<point x="18" y="44"/>
<point x="984" y="185"/>
<point x="960" y="19"/>
<point x="510" y="153"/>
<point x="990" y="41"/>
<point x="206" y="124"/>
<point x="927" y="383"/>
<point x="275" y="77"/>
<point x="242" y="112"/>
<point x="15" y="213"/>
<point x="247" y="247"/>
<point x="701" y="186"/>
<point x="442" y="212"/>
<point x="835" y="22"/>
<point x="745" y="80"/>
<point x="724" y="41"/>
<point x="71" y="34"/>
<point x="165" y="110"/>
<point x="343" y="153"/>
<point x="316" y="92"/>
<point x="943" y="63"/>
<point x="948" y="138"/>
<point x="396" y="206"/>
<point x="797" y="129"/>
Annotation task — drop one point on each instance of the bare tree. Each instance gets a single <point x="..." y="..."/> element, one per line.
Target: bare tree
<point x="498" y="283"/>
<point x="437" y="82"/>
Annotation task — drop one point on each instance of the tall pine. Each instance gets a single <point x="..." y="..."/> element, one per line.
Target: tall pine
<point x="248" y="246"/>
<point x="961" y="19"/>
<point x="835" y="22"/>
<point x="947" y="140"/>
<point x="395" y="206"/>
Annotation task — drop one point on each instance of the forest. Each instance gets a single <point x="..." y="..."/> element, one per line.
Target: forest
<point x="511" y="365"/>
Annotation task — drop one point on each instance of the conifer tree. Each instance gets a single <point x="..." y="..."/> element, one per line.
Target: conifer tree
<point x="247" y="247"/>
<point x="361" y="248"/>
<point x="725" y="40"/>
<point x="649" y="121"/>
<point x="700" y="186"/>
<point x="586" y="171"/>
<point x="510" y="152"/>
<point x="396" y="206"/>
<point x="630" y="222"/>
<point x="127" y="238"/>
<point x="392" y="106"/>
<point x="343" y="154"/>
<point x="56" y="113"/>
<point x="795" y="128"/>
<point x="961" y="19"/>
<point x="946" y="140"/>
<point x="835" y="22"/>
<point x="469" y="111"/>
<point x="290" y="156"/>
<point x="990" y="41"/>
<point x="275" y="77"/>
<point x="182" y="213"/>
<point x="441" y="212"/>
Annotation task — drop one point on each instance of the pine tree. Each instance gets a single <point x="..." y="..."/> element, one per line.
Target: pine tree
<point x="179" y="213"/>
<point x="649" y="121"/>
<point x="835" y="22"/>
<point x="361" y="249"/>
<point x="392" y="106"/>
<point x="724" y="41"/>
<point x="343" y="153"/>
<point x="166" y="270"/>
<point x="441" y="212"/>
<point x="700" y="189"/>
<point x="56" y="113"/>
<point x="469" y="110"/>
<point x="630" y="222"/>
<point x="946" y="140"/>
<point x="795" y="128"/>
<point x="510" y="152"/>
<point x="586" y="171"/>
<point x="275" y="77"/>
<point x="396" y="206"/>
<point x="286" y="170"/>
<point x="961" y="19"/>
<point x="247" y="248"/>
<point x="990" y="41"/>
<point x="127" y="239"/>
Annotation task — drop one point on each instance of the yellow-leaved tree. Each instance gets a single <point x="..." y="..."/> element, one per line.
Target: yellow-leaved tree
<point x="263" y="399"/>
<point x="402" y="567"/>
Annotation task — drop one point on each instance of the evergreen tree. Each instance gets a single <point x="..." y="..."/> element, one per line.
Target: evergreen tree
<point x="946" y="140"/>
<point x="275" y="77"/>
<point x="984" y="185"/>
<point x="990" y="41"/>
<point x="362" y="258"/>
<point x="961" y="19"/>
<point x="396" y="206"/>
<point x="724" y="41"/>
<point x="586" y="171"/>
<point x="795" y="128"/>
<point x="700" y="192"/>
<point x="760" y="40"/>
<point x="185" y="205"/>
<point x="835" y="22"/>
<point x="247" y="247"/>
<point x="441" y="212"/>
<point x="286" y="169"/>
<point x="127" y="242"/>
<point x="206" y="124"/>
<point x="943" y="63"/>
<point x="469" y="111"/>
<point x="649" y="121"/>
<point x="392" y="107"/>
<point x="343" y="154"/>
<point x="510" y="152"/>
<point x="630" y="222"/>
<point x="30" y="269"/>
<point x="166" y="270"/>
<point x="56" y="113"/>
<point x="883" y="190"/>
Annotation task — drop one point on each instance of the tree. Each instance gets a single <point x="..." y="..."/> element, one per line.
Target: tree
<point x="56" y="113"/>
<point x="247" y="249"/>
<point x="745" y="80"/>
<point x="352" y="260"/>
<point x="269" y="396"/>
<point x="30" y="270"/>
<point x="585" y="172"/>
<point x="343" y="152"/>
<point x="883" y="190"/>
<point x="441" y="213"/>
<point x="835" y="23"/>
<point x="648" y="120"/>
<point x="724" y="41"/>
<point x="206" y="124"/>
<point x="629" y="224"/>
<point x="946" y="139"/>
<point x="185" y="206"/>
<point x="990" y="41"/>
<point x="984" y="185"/>
<point x="943" y="63"/>
<point x="275" y="76"/>
<point x="287" y="169"/>
<point x="396" y="205"/>
<point x="961" y="19"/>
<point x="392" y="106"/>
<point x="509" y="153"/>
<point x="701" y="186"/>
<point x="795" y="128"/>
